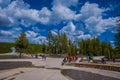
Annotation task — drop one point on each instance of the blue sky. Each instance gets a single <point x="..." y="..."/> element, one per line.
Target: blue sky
<point x="79" y="19"/>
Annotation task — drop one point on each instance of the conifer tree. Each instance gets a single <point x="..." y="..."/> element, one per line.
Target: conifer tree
<point x="21" y="43"/>
<point x="117" y="37"/>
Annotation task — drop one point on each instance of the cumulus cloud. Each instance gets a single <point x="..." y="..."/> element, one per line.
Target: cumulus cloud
<point x="54" y="32"/>
<point x="44" y="15"/>
<point x="67" y="3"/>
<point x="39" y="39"/>
<point x="11" y="10"/>
<point x="35" y="29"/>
<point x="85" y="23"/>
<point x="69" y="28"/>
<point x="88" y="10"/>
<point x="5" y="33"/>
<point x="92" y="16"/>
<point x="31" y="34"/>
<point x="32" y="16"/>
<point x="84" y="37"/>
<point x="19" y="12"/>
<point x="13" y="33"/>
<point x="4" y="20"/>
<point x="4" y="3"/>
<point x="34" y="37"/>
<point x="73" y="32"/>
<point x="10" y="35"/>
<point x="96" y="26"/>
<point x="90" y="22"/>
<point x="61" y="13"/>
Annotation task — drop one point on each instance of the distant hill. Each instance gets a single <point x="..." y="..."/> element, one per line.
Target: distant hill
<point x="5" y="47"/>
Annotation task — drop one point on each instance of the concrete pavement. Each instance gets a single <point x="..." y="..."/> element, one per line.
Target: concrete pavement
<point x="51" y="70"/>
<point x="32" y="74"/>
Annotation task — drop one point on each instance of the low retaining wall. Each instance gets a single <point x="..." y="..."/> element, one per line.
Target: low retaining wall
<point x="99" y="66"/>
<point x="14" y="64"/>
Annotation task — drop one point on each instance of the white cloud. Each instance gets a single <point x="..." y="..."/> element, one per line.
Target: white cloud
<point x="34" y="37"/>
<point x="17" y="29"/>
<point x="6" y="39"/>
<point x="11" y="10"/>
<point x="19" y="12"/>
<point x="88" y="10"/>
<point x="84" y="37"/>
<point x="5" y="33"/>
<point x="4" y="20"/>
<point x="88" y="22"/>
<point x="96" y="26"/>
<point x="67" y="3"/>
<point x="69" y="28"/>
<point x="92" y="16"/>
<point x="35" y="29"/>
<point x="44" y="15"/>
<point x="39" y="39"/>
<point x="31" y="34"/>
<point x="9" y="35"/>
<point x="61" y="13"/>
<point x="73" y="32"/>
<point x="32" y="16"/>
<point x="20" y="4"/>
<point x="4" y="3"/>
<point x="93" y="9"/>
<point x="54" y="32"/>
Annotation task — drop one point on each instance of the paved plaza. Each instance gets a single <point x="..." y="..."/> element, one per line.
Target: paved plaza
<point x="47" y="70"/>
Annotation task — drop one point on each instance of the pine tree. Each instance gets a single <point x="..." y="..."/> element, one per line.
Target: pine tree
<point x="50" y="42"/>
<point x="72" y="50"/>
<point x="22" y="43"/>
<point x="64" y="43"/>
<point x="117" y="38"/>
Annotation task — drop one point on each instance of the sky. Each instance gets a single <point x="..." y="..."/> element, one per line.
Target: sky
<point x="79" y="19"/>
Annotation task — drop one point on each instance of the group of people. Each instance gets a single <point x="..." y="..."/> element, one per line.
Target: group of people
<point x="89" y="59"/>
<point x="69" y="59"/>
<point x="43" y="56"/>
<point x="103" y="60"/>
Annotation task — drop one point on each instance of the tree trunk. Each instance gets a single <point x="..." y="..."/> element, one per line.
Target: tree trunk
<point x="20" y="55"/>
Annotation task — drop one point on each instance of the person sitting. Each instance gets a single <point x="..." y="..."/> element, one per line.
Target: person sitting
<point x="104" y="60"/>
<point x="114" y="60"/>
<point x="63" y="62"/>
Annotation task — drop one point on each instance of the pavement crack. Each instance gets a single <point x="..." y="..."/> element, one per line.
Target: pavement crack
<point x="12" y="76"/>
